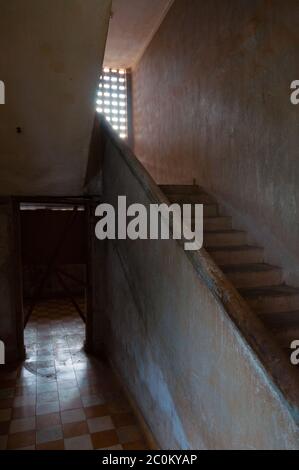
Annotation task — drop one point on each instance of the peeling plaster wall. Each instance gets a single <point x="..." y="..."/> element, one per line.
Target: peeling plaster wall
<point x="51" y="54"/>
<point x="211" y="102"/>
<point x="195" y="380"/>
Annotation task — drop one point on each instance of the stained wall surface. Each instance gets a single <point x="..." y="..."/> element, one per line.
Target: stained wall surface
<point x="51" y="54"/>
<point x="212" y="102"/>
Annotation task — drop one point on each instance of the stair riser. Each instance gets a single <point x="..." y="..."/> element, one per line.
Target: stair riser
<point x="237" y="257"/>
<point x="274" y="304"/>
<point x="285" y="339"/>
<point x="280" y="320"/>
<point x="210" y="210"/>
<point x="255" y="279"/>
<point x="284" y="316"/>
<point x="200" y="198"/>
<point x="224" y="239"/>
<point x="217" y="223"/>
<point x="179" y="190"/>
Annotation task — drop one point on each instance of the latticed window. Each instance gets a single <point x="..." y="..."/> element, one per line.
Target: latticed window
<point x="112" y="99"/>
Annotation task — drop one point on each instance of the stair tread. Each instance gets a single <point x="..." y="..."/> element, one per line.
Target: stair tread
<point x="280" y="318"/>
<point x="270" y="291"/>
<point x="279" y="314"/>
<point x="181" y="189"/>
<point x="233" y="248"/>
<point x="250" y="267"/>
<point x="277" y="304"/>
<point x="206" y="204"/>
<point x="224" y="231"/>
<point x="180" y="202"/>
<point x="186" y="195"/>
<point x="287" y="327"/>
<point x="211" y="217"/>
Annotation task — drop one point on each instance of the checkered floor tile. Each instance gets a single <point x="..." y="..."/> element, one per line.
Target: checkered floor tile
<point x="60" y="398"/>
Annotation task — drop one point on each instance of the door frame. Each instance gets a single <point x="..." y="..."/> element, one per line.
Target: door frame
<point x="87" y="202"/>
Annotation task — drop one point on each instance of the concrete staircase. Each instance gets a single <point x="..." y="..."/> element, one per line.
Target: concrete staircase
<point x="260" y="284"/>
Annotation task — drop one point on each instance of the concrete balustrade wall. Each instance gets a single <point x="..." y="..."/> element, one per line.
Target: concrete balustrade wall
<point x="185" y="362"/>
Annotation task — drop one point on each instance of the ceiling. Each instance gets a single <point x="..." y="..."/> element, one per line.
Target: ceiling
<point x="132" y="26"/>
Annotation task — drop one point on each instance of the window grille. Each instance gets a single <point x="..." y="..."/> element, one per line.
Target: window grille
<point x="112" y="99"/>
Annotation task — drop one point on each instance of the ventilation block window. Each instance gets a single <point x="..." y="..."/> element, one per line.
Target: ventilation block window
<point x="112" y="99"/>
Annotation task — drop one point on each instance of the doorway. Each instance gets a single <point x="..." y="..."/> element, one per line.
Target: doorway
<point x="54" y="240"/>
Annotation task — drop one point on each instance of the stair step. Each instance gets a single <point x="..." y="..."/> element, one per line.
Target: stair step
<point x="286" y="335"/>
<point x="224" y="238"/>
<point x="253" y="275"/>
<point x="288" y="351"/>
<point x="209" y="210"/>
<point x="258" y="283"/>
<point x="180" y="189"/>
<point x="192" y="198"/>
<point x="232" y="255"/>
<point x="280" y="319"/>
<point x="217" y="223"/>
<point x="284" y="325"/>
<point x="272" y="298"/>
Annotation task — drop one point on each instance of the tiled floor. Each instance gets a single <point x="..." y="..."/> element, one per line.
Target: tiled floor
<point x="60" y="398"/>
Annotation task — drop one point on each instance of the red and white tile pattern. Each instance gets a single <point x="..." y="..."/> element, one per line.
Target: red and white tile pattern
<point x="60" y="398"/>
